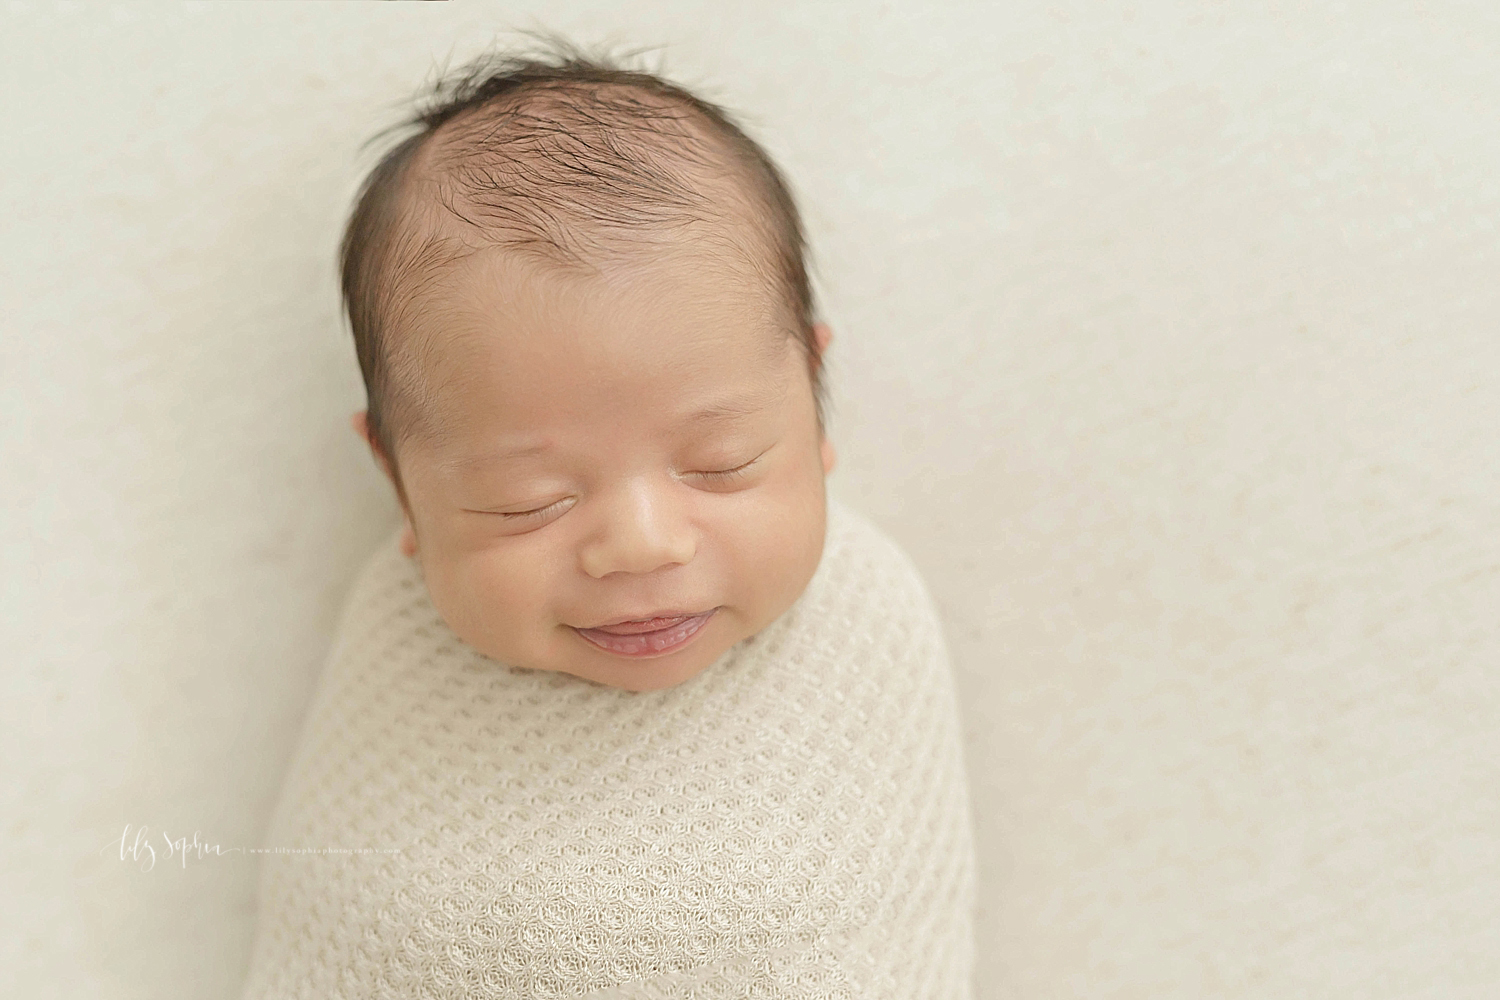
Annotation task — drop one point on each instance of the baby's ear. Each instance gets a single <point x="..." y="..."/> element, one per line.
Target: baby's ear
<point x="824" y="336"/>
<point x="361" y="424"/>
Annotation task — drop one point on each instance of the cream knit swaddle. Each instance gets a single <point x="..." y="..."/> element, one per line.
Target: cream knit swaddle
<point x="791" y="823"/>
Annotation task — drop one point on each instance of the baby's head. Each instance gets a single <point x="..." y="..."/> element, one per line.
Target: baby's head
<point x="583" y="317"/>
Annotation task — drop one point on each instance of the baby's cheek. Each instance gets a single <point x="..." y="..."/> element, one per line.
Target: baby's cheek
<point x="772" y="546"/>
<point x="497" y="605"/>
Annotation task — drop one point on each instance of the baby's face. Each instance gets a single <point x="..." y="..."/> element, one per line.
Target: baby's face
<point x="637" y="445"/>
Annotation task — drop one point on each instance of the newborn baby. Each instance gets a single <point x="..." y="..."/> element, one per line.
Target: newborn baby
<point x="627" y="707"/>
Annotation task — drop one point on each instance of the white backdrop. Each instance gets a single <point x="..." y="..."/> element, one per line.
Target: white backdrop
<point x="1166" y="342"/>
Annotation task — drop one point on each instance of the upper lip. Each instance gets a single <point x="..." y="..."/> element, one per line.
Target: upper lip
<point x="648" y="616"/>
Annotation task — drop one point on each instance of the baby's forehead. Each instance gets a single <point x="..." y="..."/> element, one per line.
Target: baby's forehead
<point x="672" y="300"/>
<point x="660" y="349"/>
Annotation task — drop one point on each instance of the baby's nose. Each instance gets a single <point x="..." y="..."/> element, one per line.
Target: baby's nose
<point x="639" y="530"/>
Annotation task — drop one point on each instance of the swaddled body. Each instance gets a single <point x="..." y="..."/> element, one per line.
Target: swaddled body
<point x="790" y="823"/>
<point x="628" y="708"/>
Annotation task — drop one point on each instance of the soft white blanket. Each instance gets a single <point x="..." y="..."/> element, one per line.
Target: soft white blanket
<point x="791" y="823"/>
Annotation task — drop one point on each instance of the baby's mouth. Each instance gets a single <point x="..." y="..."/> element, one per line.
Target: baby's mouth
<point x="638" y="627"/>
<point x="650" y="637"/>
<point x="653" y="621"/>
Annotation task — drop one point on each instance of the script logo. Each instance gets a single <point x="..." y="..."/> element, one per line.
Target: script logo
<point x="141" y="848"/>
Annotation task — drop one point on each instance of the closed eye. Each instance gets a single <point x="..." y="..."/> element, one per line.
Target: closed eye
<point x="728" y="475"/>
<point x="715" y="475"/>
<point x="522" y="515"/>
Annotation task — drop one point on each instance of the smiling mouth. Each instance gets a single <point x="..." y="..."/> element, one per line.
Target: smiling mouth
<point x="652" y="637"/>
<point x="638" y="626"/>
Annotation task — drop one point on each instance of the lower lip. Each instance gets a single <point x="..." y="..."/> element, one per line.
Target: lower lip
<point x="648" y="644"/>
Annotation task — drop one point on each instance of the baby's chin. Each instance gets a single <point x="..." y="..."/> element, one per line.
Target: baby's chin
<point x="639" y="682"/>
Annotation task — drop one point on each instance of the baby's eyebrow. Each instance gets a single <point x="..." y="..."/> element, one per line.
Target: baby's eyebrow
<point x="729" y="408"/>
<point x="492" y="456"/>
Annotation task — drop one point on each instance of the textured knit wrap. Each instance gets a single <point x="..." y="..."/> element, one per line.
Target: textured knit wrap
<point x="793" y="822"/>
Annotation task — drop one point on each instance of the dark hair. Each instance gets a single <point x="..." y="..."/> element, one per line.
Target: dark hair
<point x="566" y="156"/>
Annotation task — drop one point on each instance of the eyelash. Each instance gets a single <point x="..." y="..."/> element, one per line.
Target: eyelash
<point x="730" y="474"/>
<point x="721" y="476"/>
<point x="520" y="515"/>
